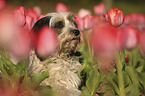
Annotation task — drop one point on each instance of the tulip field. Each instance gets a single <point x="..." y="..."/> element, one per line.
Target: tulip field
<point x="112" y="51"/>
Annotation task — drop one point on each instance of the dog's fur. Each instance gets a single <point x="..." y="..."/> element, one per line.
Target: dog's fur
<point x="61" y="65"/>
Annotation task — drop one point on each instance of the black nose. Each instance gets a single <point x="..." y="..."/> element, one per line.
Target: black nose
<point x="76" y="32"/>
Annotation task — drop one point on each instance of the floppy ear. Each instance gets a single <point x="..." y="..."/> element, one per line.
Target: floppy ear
<point x="40" y="23"/>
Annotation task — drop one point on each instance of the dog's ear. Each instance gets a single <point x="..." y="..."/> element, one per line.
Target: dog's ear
<point x="40" y="23"/>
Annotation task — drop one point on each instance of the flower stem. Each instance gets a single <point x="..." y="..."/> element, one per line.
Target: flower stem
<point x="120" y="76"/>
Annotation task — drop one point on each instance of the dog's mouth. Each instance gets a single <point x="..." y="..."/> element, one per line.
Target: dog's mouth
<point x="78" y="39"/>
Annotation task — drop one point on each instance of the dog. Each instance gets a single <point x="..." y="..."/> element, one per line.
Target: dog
<point x="61" y="65"/>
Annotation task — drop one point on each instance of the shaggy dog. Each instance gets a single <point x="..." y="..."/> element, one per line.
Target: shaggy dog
<point x="62" y="65"/>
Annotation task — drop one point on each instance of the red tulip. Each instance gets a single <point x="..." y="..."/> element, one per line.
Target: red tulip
<point x="45" y="42"/>
<point x="142" y="42"/>
<point x="129" y="37"/>
<point x="115" y="17"/>
<point x="126" y="57"/>
<point x="2" y="4"/>
<point x="99" y="9"/>
<point x="19" y="16"/>
<point x="61" y="7"/>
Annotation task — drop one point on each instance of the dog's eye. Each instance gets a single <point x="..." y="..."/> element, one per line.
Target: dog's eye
<point x="59" y="25"/>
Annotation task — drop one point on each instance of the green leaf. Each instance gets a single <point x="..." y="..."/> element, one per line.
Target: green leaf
<point x="46" y="90"/>
<point x="114" y="83"/>
<point x="142" y="79"/>
<point x="38" y="78"/>
<point x="85" y="91"/>
<point x="93" y="81"/>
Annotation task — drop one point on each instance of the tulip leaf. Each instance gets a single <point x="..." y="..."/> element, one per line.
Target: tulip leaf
<point x="94" y="80"/>
<point x="110" y="77"/>
<point x="85" y="91"/>
<point x="38" y="78"/>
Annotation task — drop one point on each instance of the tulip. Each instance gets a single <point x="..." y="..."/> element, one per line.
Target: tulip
<point x="45" y="42"/>
<point x="19" y="16"/>
<point x="126" y="57"/>
<point x="8" y="28"/>
<point x="37" y="9"/>
<point x="61" y="7"/>
<point x="83" y="12"/>
<point x="20" y="46"/>
<point x="142" y="43"/>
<point x="85" y="23"/>
<point x="2" y="4"/>
<point x="115" y="17"/>
<point x="41" y="16"/>
<point x="88" y="22"/>
<point x="99" y="9"/>
<point x="103" y="40"/>
<point x="79" y="22"/>
<point x="29" y="20"/>
<point x="129" y="37"/>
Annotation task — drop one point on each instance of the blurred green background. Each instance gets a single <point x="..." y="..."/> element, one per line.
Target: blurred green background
<point x="128" y="6"/>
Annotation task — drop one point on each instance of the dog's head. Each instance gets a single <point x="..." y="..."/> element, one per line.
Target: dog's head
<point x="66" y="28"/>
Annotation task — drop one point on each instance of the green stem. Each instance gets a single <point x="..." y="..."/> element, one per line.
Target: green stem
<point x="120" y="76"/>
<point x="87" y="41"/>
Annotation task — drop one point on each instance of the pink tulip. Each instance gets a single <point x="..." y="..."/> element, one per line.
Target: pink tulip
<point x="129" y="37"/>
<point x="41" y="16"/>
<point x="45" y="42"/>
<point x="83" y="12"/>
<point x="79" y="22"/>
<point x="104" y="40"/>
<point x="20" y="45"/>
<point x="99" y="9"/>
<point x="115" y="17"/>
<point x="88" y="22"/>
<point x="37" y="9"/>
<point x="61" y="7"/>
<point x="19" y="16"/>
<point x="85" y="23"/>
<point x="2" y="4"/>
<point x="104" y="44"/>
<point x="29" y="20"/>
<point x="31" y="12"/>
<point x="142" y="43"/>
<point x="8" y="28"/>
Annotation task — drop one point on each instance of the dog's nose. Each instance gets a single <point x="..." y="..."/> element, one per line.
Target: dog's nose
<point x="76" y="32"/>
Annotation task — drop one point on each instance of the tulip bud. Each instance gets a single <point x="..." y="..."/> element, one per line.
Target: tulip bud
<point x="45" y="42"/>
<point x="19" y="16"/>
<point x="129" y="37"/>
<point x="99" y="9"/>
<point x="126" y="57"/>
<point x="29" y="21"/>
<point x="79" y="22"/>
<point x="88" y="21"/>
<point x="115" y="17"/>
<point x="61" y="7"/>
